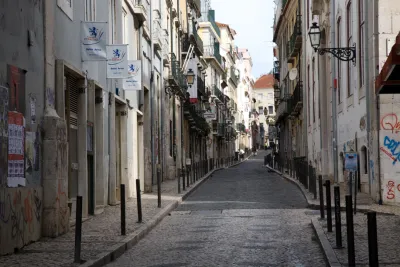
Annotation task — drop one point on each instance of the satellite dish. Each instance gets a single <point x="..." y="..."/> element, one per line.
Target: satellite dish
<point x="293" y="74"/>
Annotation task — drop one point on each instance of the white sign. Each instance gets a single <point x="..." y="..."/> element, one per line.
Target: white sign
<point x="134" y="82"/>
<point x="210" y="116"/>
<point x="117" y="61"/>
<point x="93" y="41"/>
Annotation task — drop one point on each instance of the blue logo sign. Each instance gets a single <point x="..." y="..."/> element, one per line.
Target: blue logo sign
<point x="131" y="68"/>
<point x="94" y="36"/>
<point x="116" y="53"/>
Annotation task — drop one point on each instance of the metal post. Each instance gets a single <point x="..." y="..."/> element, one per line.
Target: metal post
<point x="123" y="210"/>
<point x="158" y="186"/>
<point x="350" y="231"/>
<point x="78" y="230"/>
<point x="183" y="179"/>
<point x="355" y="191"/>
<point x="139" y="200"/>
<point x="328" y="205"/>
<point x="372" y="239"/>
<point x="179" y="180"/>
<point x="321" y="197"/>
<point x="188" y="168"/>
<point x="338" y="220"/>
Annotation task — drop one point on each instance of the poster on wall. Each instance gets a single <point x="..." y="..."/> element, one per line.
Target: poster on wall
<point x="117" y="61"/>
<point x="350" y="162"/>
<point x="16" y="149"/>
<point x="16" y="81"/>
<point x="134" y="80"/>
<point x="3" y="135"/>
<point x="93" y="41"/>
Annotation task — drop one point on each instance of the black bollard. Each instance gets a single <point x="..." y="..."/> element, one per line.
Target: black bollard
<point x="123" y="210"/>
<point x="183" y="178"/>
<point x="338" y="220"/>
<point x="78" y="230"/>
<point x="321" y="197"/>
<point x="188" y="175"/>
<point x="139" y="201"/>
<point x="328" y="205"/>
<point x="159" y="187"/>
<point x="179" y="181"/>
<point x="350" y="231"/>
<point x="372" y="239"/>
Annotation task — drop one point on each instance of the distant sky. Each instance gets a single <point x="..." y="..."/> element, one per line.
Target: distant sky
<point x="253" y="21"/>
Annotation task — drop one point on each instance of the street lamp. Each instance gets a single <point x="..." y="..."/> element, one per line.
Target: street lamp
<point x="190" y="77"/>
<point x="341" y="53"/>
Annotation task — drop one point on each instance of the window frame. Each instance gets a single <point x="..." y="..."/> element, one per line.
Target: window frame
<point x="349" y="36"/>
<point x="361" y="34"/>
<point x="339" y="64"/>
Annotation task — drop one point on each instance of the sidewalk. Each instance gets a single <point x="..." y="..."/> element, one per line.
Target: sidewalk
<point x="387" y="224"/>
<point x="101" y="237"/>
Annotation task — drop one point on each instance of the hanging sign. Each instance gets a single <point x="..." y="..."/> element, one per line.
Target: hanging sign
<point x="134" y="82"/>
<point x="117" y="61"/>
<point x="93" y="41"/>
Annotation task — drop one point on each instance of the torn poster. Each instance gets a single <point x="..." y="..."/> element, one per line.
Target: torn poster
<point x="16" y="149"/>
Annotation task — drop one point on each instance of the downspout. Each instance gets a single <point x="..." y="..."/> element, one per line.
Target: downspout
<point x="334" y="101"/>
<point x="162" y="114"/>
<point x="174" y="98"/>
<point x="151" y="95"/>
<point x="375" y="49"/>
<point x="182" y="99"/>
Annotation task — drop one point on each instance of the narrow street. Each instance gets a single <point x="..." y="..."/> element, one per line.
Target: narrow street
<point x="242" y="216"/>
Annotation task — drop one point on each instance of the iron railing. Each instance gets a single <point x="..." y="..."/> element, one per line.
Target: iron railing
<point x="216" y="92"/>
<point x="297" y="99"/>
<point x="296" y="38"/>
<point x="200" y="86"/>
<point x="211" y="19"/>
<point x="213" y="51"/>
<point x="233" y="76"/>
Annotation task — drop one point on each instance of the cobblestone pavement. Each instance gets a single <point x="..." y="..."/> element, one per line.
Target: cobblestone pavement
<point x="242" y="216"/>
<point x="388" y="239"/>
<point x="99" y="234"/>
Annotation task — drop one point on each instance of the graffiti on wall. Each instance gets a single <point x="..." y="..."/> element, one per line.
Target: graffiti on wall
<point x="3" y="135"/>
<point x="390" y="122"/>
<point x="20" y="217"/>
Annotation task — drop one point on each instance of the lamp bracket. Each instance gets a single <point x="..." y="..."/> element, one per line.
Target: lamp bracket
<point x="341" y="53"/>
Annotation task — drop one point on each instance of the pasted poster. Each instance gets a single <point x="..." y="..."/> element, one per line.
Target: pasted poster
<point x="117" y="61"/>
<point x="16" y="149"/>
<point x="350" y="162"/>
<point x="93" y="41"/>
<point x="134" y="82"/>
<point x="3" y="135"/>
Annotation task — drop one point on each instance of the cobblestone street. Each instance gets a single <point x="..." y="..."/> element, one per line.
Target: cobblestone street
<point x="242" y="216"/>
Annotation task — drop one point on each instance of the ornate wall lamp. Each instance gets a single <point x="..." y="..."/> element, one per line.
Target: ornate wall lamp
<point x="341" y="53"/>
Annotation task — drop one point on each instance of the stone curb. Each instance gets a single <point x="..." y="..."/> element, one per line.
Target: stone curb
<point x="329" y="253"/>
<point x="132" y="239"/>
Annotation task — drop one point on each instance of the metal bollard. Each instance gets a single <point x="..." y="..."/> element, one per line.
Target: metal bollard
<point x="123" y="210"/>
<point x="328" y="205"/>
<point x="179" y="180"/>
<point x="188" y="169"/>
<point x="321" y="197"/>
<point x="372" y="239"/>
<point x="338" y="220"/>
<point x="183" y="178"/>
<point x="139" y="201"/>
<point x="159" y="187"/>
<point x="78" y="230"/>
<point x="350" y="231"/>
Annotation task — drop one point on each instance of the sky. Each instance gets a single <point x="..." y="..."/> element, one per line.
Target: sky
<point x="252" y="20"/>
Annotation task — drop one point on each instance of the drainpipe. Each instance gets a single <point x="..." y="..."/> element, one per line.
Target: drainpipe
<point x="174" y="98"/>
<point x="182" y="100"/>
<point x="334" y="100"/>
<point x="153" y="163"/>
<point x="162" y="115"/>
<point x="375" y="51"/>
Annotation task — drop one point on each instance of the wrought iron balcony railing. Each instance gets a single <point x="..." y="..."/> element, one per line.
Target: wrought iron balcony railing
<point x="232" y="76"/>
<point x="200" y="86"/>
<point x="276" y="70"/>
<point x="213" y="51"/>
<point x="196" y="39"/>
<point x="177" y="78"/>
<point x="297" y="98"/>
<point x="216" y="92"/>
<point x="211" y="19"/>
<point x="294" y="44"/>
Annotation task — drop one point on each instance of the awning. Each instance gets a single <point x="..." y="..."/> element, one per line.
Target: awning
<point x="388" y="80"/>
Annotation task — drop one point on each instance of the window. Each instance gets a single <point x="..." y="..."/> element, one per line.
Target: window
<point x="90" y="10"/>
<point x="313" y="88"/>
<point x="349" y="35"/>
<point x="171" y="137"/>
<point x="361" y="41"/>
<point x="270" y="109"/>
<point x="260" y="110"/>
<point x="364" y="160"/>
<point x="125" y="26"/>
<point x="270" y="95"/>
<point x="339" y="64"/>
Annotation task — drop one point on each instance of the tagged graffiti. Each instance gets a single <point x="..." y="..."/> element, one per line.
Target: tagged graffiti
<point x="393" y="148"/>
<point x="390" y="122"/>
<point x="20" y="213"/>
<point x="390" y="192"/>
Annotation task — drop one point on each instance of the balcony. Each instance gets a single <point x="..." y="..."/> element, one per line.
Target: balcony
<point x="283" y="109"/>
<point x="196" y="41"/>
<point x="295" y="42"/>
<point x="233" y="77"/>
<point x="221" y="130"/>
<point x="196" y="4"/>
<point x="185" y="43"/>
<point x="200" y="86"/>
<point x="216" y="93"/>
<point x="276" y="70"/>
<point x="232" y="53"/>
<point x="177" y="78"/>
<point x="195" y="118"/>
<point x="284" y="2"/>
<point x="297" y="99"/>
<point x="212" y="51"/>
<point x="140" y="8"/>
